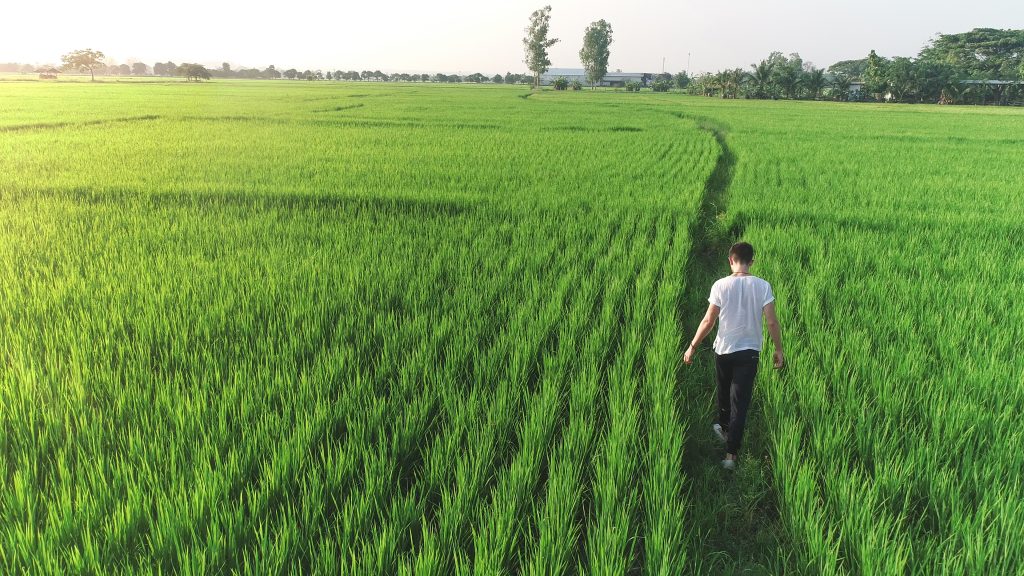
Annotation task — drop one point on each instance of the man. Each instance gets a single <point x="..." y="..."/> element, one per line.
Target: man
<point x="738" y="302"/>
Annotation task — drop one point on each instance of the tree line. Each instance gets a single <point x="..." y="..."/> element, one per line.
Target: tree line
<point x="378" y="76"/>
<point x="93" y="62"/>
<point x="983" y="66"/>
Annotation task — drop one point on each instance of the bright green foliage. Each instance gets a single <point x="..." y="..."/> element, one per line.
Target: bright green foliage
<point x="594" y="54"/>
<point x="536" y="43"/>
<point x="986" y="53"/>
<point x="351" y="329"/>
<point x="84" y="60"/>
<point x="876" y="75"/>
<point x="892" y="238"/>
<point x="303" y="327"/>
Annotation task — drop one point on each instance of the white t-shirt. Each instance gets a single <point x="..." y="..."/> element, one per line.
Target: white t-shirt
<point x="740" y="300"/>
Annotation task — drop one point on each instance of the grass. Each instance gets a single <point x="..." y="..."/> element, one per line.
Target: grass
<point x="295" y="327"/>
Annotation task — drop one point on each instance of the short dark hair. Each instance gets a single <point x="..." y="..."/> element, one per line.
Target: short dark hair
<point x="742" y="252"/>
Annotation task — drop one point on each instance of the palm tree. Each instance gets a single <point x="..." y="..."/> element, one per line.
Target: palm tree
<point x="815" y="81"/>
<point x="789" y="79"/>
<point x="736" y="79"/>
<point x="841" y="87"/>
<point x="761" y="79"/>
<point x="721" y="82"/>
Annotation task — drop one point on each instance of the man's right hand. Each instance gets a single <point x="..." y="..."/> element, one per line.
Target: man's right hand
<point x="780" y="359"/>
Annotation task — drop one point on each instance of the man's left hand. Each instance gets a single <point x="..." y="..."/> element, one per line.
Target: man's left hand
<point x="688" y="356"/>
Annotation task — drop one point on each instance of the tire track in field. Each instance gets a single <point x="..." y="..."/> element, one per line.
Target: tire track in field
<point x="733" y="516"/>
<point x="57" y="125"/>
<point x="341" y="108"/>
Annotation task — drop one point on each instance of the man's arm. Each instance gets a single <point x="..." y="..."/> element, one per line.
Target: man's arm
<point x="702" y="331"/>
<point x="775" y="331"/>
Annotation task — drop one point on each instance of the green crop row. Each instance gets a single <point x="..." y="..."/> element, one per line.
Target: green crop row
<point x="288" y="328"/>
<point x="891" y="236"/>
<point x="341" y="329"/>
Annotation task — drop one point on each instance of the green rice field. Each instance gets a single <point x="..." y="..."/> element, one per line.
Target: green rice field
<point x="357" y="328"/>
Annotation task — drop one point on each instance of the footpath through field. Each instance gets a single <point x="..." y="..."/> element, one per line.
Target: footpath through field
<point x="733" y="515"/>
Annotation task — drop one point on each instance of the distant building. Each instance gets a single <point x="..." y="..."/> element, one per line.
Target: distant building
<point x="996" y="91"/>
<point x="615" y="79"/>
<point x="856" y="90"/>
<point x="993" y="82"/>
<point x="48" y="73"/>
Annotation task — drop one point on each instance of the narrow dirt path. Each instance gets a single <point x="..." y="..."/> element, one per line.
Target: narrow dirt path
<point x="733" y="517"/>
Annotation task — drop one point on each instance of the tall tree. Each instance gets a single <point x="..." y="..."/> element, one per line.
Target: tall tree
<point x="682" y="80"/>
<point x="595" y="52"/>
<point x="934" y="79"/>
<point x="875" y="75"/>
<point x="762" y="79"/>
<point x="841" y="87"/>
<point x="736" y="78"/>
<point x="789" y="79"/>
<point x="814" y="80"/>
<point x="849" y="68"/>
<point x="83" y="60"/>
<point x="536" y="43"/>
<point x="788" y="73"/>
<point x="195" y="72"/>
<point x="901" y="77"/>
<point x="139" y="69"/>
<point x="982" y="53"/>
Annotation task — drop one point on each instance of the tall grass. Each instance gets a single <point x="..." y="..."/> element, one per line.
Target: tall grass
<point x="890" y="234"/>
<point x="340" y="328"/>
<point x="257" y="328"/>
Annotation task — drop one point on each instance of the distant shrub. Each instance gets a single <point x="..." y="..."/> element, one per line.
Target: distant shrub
<point x="661" y="85"/>
<point x="576" y="85"/>
<point x="632" y="86"/>
<point x="560" y="83"/>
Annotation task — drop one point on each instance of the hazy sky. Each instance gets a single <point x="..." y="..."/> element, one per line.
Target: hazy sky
<point x="480" y="35"/>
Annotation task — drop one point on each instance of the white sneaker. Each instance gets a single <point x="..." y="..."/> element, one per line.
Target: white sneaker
<point x="717" y="429"/>
<point x="729" y="464"/>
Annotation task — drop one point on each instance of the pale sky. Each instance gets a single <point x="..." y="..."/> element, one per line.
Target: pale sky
<point x="482" y="36"/>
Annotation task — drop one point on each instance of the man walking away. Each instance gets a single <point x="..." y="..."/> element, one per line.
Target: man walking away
<point x="738" y="302"/>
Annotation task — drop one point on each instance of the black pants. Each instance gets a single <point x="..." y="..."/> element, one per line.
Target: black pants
<point x="735" y="373"/>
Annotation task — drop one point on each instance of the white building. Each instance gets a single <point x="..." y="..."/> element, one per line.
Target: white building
<point x="612" y="79"/>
